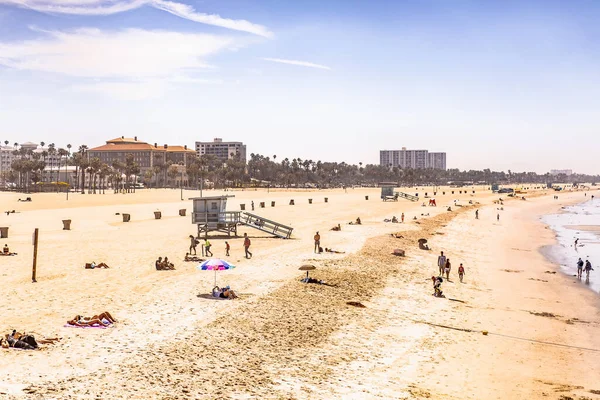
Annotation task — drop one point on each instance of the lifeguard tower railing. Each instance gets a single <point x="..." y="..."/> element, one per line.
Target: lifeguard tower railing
<point x="214" y="218"/>
<point x="227" y="222"/>
<point x="266" y="225"/>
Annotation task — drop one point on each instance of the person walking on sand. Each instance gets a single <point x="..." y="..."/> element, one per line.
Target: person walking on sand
<point x="193" y="244"/>
<point x="576" y="242"/>
<point x="476" y="214"/>
<point x="402" y="217"/>
<point x="247" y="246"/>
<point x="588" y="268"/>
<point x="227" y="248"/>
<point x="441" y="263"/>
<point x="447" y="268"/>
<point x="498" y="217"/>
<point x="207" y="246"/>
<point x="579" y="268"/>
<point x="461" y="272"/>
<point x="317" y="242"/>
<point x="252" y="205"/>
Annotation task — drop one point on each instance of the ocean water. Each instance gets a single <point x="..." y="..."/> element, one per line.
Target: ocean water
<point x="564" y="253"/>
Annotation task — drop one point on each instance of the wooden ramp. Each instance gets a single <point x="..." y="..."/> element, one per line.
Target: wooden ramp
<point x="265" y="225"/>
<point x="407" y="196"/>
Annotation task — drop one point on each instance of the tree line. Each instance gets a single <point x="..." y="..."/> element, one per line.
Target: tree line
<point x="260" y="171"/>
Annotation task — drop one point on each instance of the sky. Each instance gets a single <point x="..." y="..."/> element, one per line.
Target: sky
<point x="495" y="84"/>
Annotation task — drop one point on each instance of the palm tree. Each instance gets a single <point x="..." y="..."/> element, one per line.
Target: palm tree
<point x="52" y="154"/>
<point x="44" y="155"/>
<point x="83" y="164"/>
<point x="103" y="173"/>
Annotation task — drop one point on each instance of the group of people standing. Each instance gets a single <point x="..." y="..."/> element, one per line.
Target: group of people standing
<point x="445" y="267"/>
<point x="206" y="246"/>
<point x="581" y="266"/>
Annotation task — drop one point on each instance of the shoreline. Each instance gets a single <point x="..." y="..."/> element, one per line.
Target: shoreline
<point x="558" y="252"/>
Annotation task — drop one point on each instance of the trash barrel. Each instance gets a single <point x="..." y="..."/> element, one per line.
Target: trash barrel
<point x="126" y="217"/>
<point x="182" y="212"/>
<point x="4" y="232"/>
<point x="272" y="204"/>
<point x="366" y="197"/>
<point x="262" y="204"/>
<point x="292" y="202"/>
<point x="157" y="215"/>
<point x="242" y="207"/>
<point x="326" y="200"/>
<point x="66" y="224"/>
<point x="309" y="201"/>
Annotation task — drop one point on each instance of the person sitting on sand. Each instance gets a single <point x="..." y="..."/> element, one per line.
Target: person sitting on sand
<point x="6" y="250"/>
<point x="437" y="286"/>
<point x="394" y="220"/>
<point x="189" y="257"/>
<point x="334" y="251"/>
<point x="358" y="222"/>
<point x="166" y="264"/>
<point x="225" y="293"/>
<point x="397" y="236"/>
<point x="158" y="264"/>
<point x="337" y="228"/>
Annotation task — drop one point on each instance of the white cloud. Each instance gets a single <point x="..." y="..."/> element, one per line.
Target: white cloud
<point x="300" y="63"/>
<point x="131" y="53"/>
<point x="188" y="12"/>
<point x="108" y="7"/>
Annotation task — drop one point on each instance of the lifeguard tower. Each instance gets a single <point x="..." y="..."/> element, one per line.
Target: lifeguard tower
<point x="388" y="193"/>
<point x="210" y="215"/>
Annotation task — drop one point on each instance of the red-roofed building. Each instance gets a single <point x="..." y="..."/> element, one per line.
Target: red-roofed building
<point x="147" y="156"/>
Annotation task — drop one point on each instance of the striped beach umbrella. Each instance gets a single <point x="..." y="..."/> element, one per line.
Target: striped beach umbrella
<point x="215" y="264"/>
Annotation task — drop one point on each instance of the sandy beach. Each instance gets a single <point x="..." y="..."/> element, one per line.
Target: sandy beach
<point x="286" y="339"/>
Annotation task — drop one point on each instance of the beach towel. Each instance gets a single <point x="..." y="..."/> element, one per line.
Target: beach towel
<point x="87" y="326"/>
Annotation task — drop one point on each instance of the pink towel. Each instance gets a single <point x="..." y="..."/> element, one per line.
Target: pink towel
<point x="94" y="326"/>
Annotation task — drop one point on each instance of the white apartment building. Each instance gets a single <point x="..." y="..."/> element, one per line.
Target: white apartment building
<point x="437" y="160"/>
<point x="6" y="157"/>
<point x="222" y="150"/>
<point x="416" y="159"/>
<point x="567" y="172"/>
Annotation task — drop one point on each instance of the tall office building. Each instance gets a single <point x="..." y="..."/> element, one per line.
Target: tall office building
<point x="222" y="150"/>
<point x="416" y="159"/>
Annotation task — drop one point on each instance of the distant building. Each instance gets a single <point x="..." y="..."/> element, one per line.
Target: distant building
<point x="566" y="172"/>
<point x="437" y="161"/>
<point x="6" y="157"/>
<point x="145" y="155"/>
<point x="222" y="150"/>
<point x="417" y="159"/>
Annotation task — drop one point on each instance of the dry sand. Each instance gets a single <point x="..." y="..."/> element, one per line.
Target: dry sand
<point x="285" y="339"/>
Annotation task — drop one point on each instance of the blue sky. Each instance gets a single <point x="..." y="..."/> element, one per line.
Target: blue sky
<point x="499" y="84"/>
